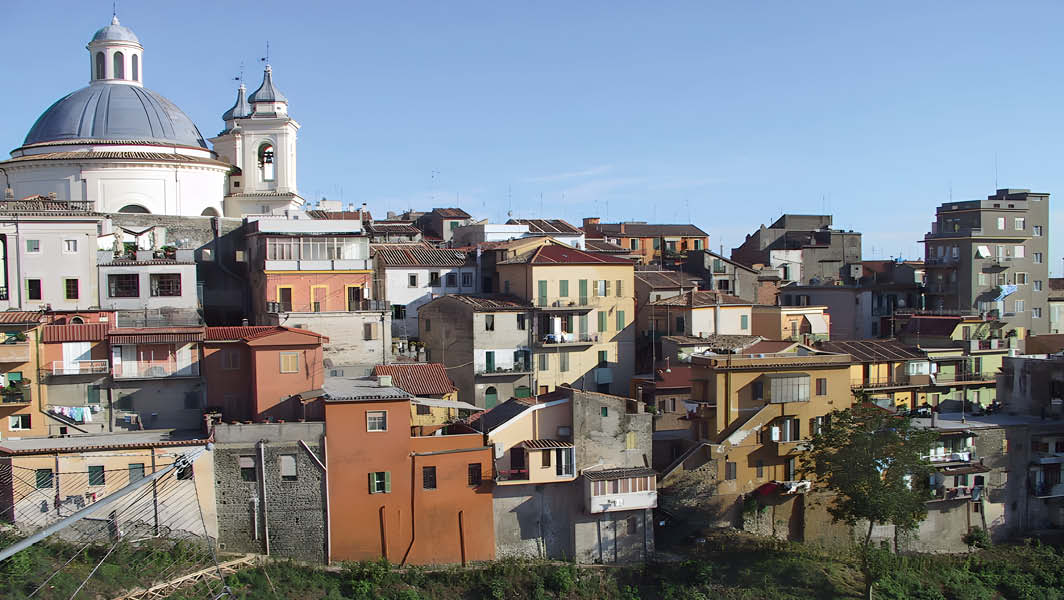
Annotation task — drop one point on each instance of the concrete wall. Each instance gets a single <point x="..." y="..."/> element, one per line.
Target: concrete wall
<point x="397" y="290"/>
<point x="52" y="264"/>
<point x="601" y="439"/>
<point x="175" y="403"/>
<point x="293" y="512"/>
<point x="188" y="299"/>
<point x="346" y="332"/>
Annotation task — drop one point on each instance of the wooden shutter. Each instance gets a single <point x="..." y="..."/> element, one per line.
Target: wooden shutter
<point x="387" y="481"/>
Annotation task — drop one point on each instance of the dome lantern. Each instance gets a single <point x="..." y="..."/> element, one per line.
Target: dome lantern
<point x="116" y="56"/>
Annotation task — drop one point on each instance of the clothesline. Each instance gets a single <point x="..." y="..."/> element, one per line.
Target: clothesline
<point x="81" y="414"/>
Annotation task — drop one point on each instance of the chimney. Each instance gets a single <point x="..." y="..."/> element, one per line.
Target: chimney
<point x="588" y="221"/>
<point x="622" y="227"/>
<point x="384" y="381"/>
<point x="667" y="368"/>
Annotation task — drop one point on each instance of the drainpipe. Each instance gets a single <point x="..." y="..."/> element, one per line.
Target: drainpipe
<point x="262" y="494"/>
<point x="413" y="521"/>
<point x="155" y="493"/>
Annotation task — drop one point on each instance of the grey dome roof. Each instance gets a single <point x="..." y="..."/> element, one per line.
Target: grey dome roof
<point x="267" y="92"/>
<point x="115" y="32"/>
<point x="115" y="111"/>
<point x="241" y="109"/>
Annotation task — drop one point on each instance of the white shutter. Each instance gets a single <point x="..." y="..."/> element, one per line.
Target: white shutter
<point x="184" y="359"/>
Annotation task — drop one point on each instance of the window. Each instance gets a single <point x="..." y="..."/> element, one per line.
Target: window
<point x="376" y="420"/>
<point x="1037" y="258"/>
<point x="603" y="358"/>
<point x="123" y="285"/>
<point x="267" y="169"/>
<point x="1021" y="278"/>
<point x="634" y="244"/>
<point x="1036" y="312"/>
<point x="33" y="246"/>
<point x="983" y="279"/>
<point x="18" y="422"/>
<point x="619" y="282"/>
<point x="230" y="359"/>
<point x="506" y="286"/>
<point x="760" y="469"/>
<point x="491" y="397"/>
<point x="452" y="280"/>
<point x="1017" y="252"/>
<point x="604" y="411"/>
<point x="729" y="470"/>
<point x="136" y="67"/>
<point x="956" y="252"/>
<point x="630" y="442"/>
<point x="1036" y="230"/>
<point x="287" y="463"/>
<point x="398" y="312"/>
<point x="544" y="361"/>
<point x="247" y="468"/>
<point x="679" y="325"/>
<point x="545" y="458"/>
<point x="467" y="280"/>
<point x="1018" y="306"/>
<point x="620" y="320"/>
<point x="411" y="280"/>
<point x="428" y="324"/>
<point x="380" y="482"/>
<point x="428" y="478"/>
<point x="563" y="464"/>
<point x="33" y="289"/>
<point x="822" y="386"/>
<point x="475" y="477"/>
<point x="521" y="322"/>
<point x="100" y="73"/>
<point x="289" y="362"/>
<point x="70" y="246"/>
<point x="165" y="284"/>
<point x="71" y="288"/>
<point x="489" y="322"/>
<point x="119" y="66"/>
<point x="601" y="321"/>
<point x="1019" y="223"/>
<point x="96" y="475"/>
<point x="136" y="472"/>
<point x="788" y="388"/>
<point x="563" y="361"/>
<point x="1001" y="222"/>
<point x="1037" y="285"/>
<point x="44" y="479"/>
<point x="434" y="279"/>
<point x="744" y="322"/>
<point x="757" y="390"/>
<point x="657" y="243"/>
<point x="369" y="331"/>
<point x="563" y="288"/>
<point x="423" y="409"/>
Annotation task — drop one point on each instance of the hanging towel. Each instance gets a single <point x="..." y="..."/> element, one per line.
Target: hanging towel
<point x="87" y="415"/>
<point x="78" y="413"/>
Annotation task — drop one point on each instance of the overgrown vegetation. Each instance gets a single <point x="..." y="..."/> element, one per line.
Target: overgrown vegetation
<point x="730" y="566"/>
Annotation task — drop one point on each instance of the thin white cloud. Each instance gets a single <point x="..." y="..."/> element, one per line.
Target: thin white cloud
<point x="593" y="171"/>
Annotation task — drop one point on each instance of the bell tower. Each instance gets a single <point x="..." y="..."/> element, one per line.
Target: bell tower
<point x="259" y="140"/>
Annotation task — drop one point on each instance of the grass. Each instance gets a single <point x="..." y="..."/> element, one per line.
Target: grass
<point x="728" y="566"/>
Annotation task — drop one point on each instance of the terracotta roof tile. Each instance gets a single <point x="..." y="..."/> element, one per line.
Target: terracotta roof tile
<point x="251" y="332"/>
<point x="651" y="230"/>
<point x="421" y="255"/>
<point x="84" y="332"/>
<point x="872" y="350"/>
<point x="608" y="474"/>
<point x="564" y="255"/>
<point x="451" y="213"/>
<point x="13" y="317"/>
<point x="701" y="299"/>
<point x="419" y="379"/>
<point x="547" y="226"/>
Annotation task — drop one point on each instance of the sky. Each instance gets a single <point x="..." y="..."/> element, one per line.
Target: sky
<point x="723" y="114"/>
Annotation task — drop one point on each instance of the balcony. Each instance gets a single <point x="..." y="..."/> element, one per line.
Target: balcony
<point x="991" y="344"/>
<point x="517" y="369"/>
<point x="81" y="367"/>
<point x="14" y="352"/>
<point x="965" y="455"/>
<point x="581" y="304"/>
<point x="556" y="340"/>
<point x="963" y="378"/>
<point x="511" y="475"/>
<point x="357" y="264"/>
<point x="944" y="287"/>
<point x="315" y="307"/>
<point x="154" y="370"/>
<point x="901" y="380"/>
<point x="616" y="490"/>
<point x="968" y="492"/>
<point x="14" y="395"/>
<point x="1047" y="490"/>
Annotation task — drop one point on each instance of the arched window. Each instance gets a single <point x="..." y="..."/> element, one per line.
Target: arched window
<point x="491" y="397"/>
<point x="266" y="164"/>
<point x="100" y="73"/>
<point x="135" y="209"/>
<point x="120" y="66"/>
<point x="210" y="211"/>
<point x="77" y="321"/>
<point x="136" y="67"/>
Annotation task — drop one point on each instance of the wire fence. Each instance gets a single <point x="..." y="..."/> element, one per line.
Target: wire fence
<point x="119" y="548"/>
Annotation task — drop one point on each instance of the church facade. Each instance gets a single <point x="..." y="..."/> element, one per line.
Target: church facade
<point x="127" y="149"/>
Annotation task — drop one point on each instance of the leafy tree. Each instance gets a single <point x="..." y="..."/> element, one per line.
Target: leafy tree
<point x="871" y="461"/>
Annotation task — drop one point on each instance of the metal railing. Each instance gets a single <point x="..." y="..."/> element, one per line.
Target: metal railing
<point x="963" y="377"/>
<point x="568" y="338"/>
<point x="313" y="307"/>
<point x="512" y="474"/>
<point x="154" y="369"/>
<point x="516" y="369"/>
<point x="81" y="367"/>
<point x="879" y="382"/>
<point x="573" y="303"/>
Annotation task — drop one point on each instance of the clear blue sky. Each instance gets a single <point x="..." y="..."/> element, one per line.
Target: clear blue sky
<point x="725" y="114"/>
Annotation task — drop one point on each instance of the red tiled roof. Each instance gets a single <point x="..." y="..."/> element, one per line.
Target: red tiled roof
<point x="155" y="335"/>
<point x="674" y="378"/>
<point x="547" y="226"/>
<point x="564" y="255"/>
<point x="420" y="255"/>
<point x="12" y="317"/>
<point x="701" y="299"/>
<point x="768" y="347"/>
<point x="491" y="302"/>
<point x="250" y="332"/>
<point x="85" y="332"/>
<point x="451" y="213"/>
<point x="419" y="379"/>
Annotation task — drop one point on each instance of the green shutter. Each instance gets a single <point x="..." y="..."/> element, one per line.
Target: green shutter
<point x="94" y="394"/>
<point x="744" y="322"/>
<point x="620" y="320"/>
<point x="387" y="482"/>
<point x="583" y="292"/>
<point x="602" y="321"/>
<point x="563" y="288"/>
<point x="371" y="482"/>
<point x="542" y="292"/>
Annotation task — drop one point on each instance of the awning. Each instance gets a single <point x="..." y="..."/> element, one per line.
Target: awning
<point x="546" y="444"/>
<point x="157" y="338"/>
<point x="309" y="395"/>
<point x="966" y="470"/>
<point x="982" y="252"/>
<point x="817" y="323"/>
<point x="1006" y="290"/>
<point x="957" y="433"/>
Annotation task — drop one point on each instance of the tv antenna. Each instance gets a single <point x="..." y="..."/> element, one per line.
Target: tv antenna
<point x="266" y="59"/>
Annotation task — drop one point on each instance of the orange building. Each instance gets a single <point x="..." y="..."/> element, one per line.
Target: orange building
<point x="649" y="242"/>
<point x="21" y="404"/>
<point x="264" y="372"/>
<point x="75" y="370"/>
<point x="399" y="491"/>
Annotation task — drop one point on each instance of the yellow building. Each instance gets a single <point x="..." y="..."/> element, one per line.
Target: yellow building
<point x="49" y="479"/>
<point x="887" y="372"/>
<point x="21" y="398"/>
<point x="431" y="411"/>
<point x="754" y="412"/>
<point x="583" y="316"/>
<point x="805" y="324"/>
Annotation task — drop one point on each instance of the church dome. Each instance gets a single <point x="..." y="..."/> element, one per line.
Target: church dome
<point x="113" y="111"/>
<point x="115" y="32"/>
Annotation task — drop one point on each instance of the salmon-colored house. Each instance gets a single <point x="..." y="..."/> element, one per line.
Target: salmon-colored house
<point x="264" y="373"/>
<point x="399" y="491"/>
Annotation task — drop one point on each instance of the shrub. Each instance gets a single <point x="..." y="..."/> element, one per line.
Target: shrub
<point x="561" y="579"/>
<point x="977" y="537"/>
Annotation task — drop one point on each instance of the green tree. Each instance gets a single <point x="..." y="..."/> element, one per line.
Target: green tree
<point x="871" y="461"/>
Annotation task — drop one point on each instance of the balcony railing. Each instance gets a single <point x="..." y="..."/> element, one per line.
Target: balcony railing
<point x="313" y="307"/>
<point x="1047" y="490"/>
<point x="154" y="370"/>
<point x="966" y="492"/>
<point x="512" y="474"/>
<point x="516" y="369"/>
<point x="15" y="395"/>
<point x="963" y="456"/>
<point x="942" y="288"/>
<point x="962" y="377"/>
<point x="991" y="344"/>
<point x="81" y="367"/>
<point x="354" y="264"/>
<point x="581" y="303"/>
<point x="877" y="382"/>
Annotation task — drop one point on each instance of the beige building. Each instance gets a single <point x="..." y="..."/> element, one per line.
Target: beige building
<point x="583" y="316"/>
<point x="805" y="324"/>
<point x="699" y="314"/>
